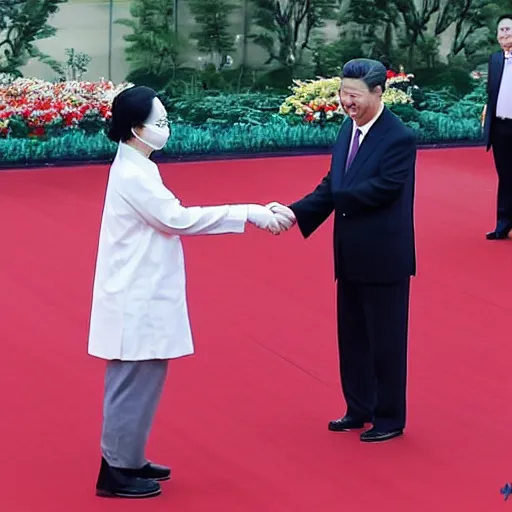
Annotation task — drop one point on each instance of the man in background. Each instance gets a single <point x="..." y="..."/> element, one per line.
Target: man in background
<point x="498" y="125"/>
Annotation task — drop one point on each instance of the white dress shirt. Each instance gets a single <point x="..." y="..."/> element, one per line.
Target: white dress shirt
<point x="366" y="127"/>
<point x="504" y="105"/>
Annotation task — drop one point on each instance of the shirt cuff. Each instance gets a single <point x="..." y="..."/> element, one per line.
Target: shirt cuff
<point x="237" y="217"/>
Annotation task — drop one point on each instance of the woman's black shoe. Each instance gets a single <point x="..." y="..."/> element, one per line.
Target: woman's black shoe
<point x="115" y="483"/>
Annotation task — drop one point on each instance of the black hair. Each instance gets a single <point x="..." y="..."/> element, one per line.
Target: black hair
<point x="130" y="108"/>
<point x="504" y="17"/>
<point x="371" y="72"/>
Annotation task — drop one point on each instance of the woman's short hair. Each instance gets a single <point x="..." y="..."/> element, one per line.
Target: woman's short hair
<point x="130" y="109"/>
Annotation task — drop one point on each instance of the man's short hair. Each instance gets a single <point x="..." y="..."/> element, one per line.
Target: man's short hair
<point x="371" y="72"/>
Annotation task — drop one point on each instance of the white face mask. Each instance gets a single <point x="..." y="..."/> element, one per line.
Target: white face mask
<point x="155" y="132"/>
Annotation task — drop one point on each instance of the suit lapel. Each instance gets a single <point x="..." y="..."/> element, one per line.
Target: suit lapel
<point x="499" y="61"/>
<point x="341" y="152"/>
<point x="368" y="146"/>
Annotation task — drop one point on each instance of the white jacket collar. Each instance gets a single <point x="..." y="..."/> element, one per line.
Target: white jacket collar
<point x="129" y="153"/>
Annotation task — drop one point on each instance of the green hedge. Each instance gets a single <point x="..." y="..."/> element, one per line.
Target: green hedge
<point x="189" y="140"/>
<point x="224" y="109"/>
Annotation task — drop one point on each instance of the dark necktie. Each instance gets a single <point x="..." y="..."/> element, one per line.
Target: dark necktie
<point x="353" y="149"/>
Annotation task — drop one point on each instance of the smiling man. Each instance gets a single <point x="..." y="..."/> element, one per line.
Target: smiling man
<point x="370" y="187"/>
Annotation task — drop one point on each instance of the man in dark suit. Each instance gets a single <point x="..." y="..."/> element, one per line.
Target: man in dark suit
<point x="370" y="187"/>
<point x="498" y="125"/>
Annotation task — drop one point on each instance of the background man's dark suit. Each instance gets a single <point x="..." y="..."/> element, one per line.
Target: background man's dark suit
<point x="498" y="135"/>
<point x="374" y="253"/>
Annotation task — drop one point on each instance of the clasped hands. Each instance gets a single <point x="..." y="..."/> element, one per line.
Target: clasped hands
<point x="274" y="217"/>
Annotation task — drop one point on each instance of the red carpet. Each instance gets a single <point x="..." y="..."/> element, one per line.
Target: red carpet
<point x="244" y="422"/>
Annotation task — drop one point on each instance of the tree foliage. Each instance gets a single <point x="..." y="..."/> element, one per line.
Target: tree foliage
<point x="379" y="24"/>
<point x="284" y="27"/>
<point x="414" y="28"/>
<point x="22" y="24"/>
<point x="153" y="46"/>
<point x="213" y="35"/>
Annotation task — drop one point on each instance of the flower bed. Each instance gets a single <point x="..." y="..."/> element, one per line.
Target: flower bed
<point x="36" y="108"/>
<point x="316" y="101"/>
<point x="42" y="122"/>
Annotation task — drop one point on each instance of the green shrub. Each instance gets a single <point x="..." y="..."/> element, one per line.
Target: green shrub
<point x="471" y="105"/>
<point x="444" y="76"/>
<point x="278" y="80"/>
<point x="225" y="109"/>
<point x="433" y="127"/>
<point x="445" y="102"/>
<point x="149" y="78"/>
<point x="437" y="101"/>
<point x="74" y="145"/>
<point x="407" y="113"/>
<point x="329" y="58"/>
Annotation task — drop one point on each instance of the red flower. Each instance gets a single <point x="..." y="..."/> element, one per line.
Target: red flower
<point x="42" y="103"/>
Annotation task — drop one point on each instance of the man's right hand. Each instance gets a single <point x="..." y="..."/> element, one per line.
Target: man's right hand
<point x="284" y="215"/>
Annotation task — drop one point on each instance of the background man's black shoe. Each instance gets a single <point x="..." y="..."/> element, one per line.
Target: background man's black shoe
<point x="114" y="483"/>
<point x="345" y="424"/>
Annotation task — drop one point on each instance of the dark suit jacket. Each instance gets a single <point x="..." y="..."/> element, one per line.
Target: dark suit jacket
<point x="495" y="72"/>
<point x="373" y="203"/>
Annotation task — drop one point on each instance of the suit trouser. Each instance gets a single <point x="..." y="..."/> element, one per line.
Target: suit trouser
<point x="372" y="337"/>
<point x="502" y="153"/>
<point x="132" y="394"/>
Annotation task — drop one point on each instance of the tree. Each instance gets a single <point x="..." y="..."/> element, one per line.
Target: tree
<point x="22" y="24"/>
<point x="466" y="16"/>
<point x="379" y="22"/>
<point x="75" y="65"/>
<point x="153" y="48"/>
<point x="479" y="43"/>
<point x="246" y="27"/>
<point x="213" y="36"/>
<point x="415" y="27"/>
<point x="286" y="26"/>
<point x="246" y="31"/>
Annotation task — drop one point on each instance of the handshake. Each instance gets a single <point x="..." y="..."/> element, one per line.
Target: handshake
<point x="273" y="217"/>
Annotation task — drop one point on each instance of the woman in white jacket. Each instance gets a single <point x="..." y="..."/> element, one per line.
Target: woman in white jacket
<point x="139" y="317"/>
